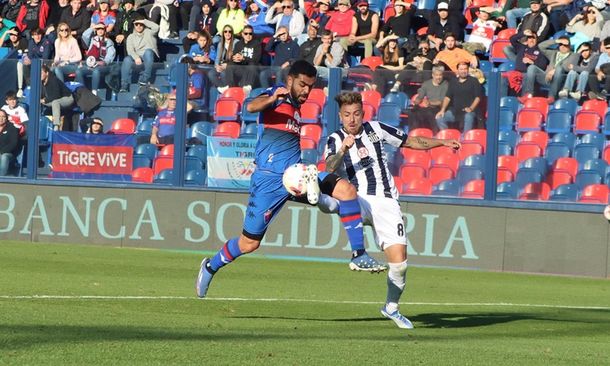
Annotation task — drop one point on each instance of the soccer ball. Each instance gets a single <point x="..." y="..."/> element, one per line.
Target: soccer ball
<point x="295" y="179"/>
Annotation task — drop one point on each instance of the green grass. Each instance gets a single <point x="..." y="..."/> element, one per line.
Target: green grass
<point x="185" y="330"/>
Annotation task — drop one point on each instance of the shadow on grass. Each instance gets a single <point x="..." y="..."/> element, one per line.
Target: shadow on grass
<point x="349" y="320"/>
<point x="456" y="320"/>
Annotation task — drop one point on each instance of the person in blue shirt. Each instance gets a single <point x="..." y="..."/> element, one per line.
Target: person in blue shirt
<point x="255" y="16"/>
<point x="203" y="51"/>
<point x="286" y="50"/>
<point x="278" y="148"/>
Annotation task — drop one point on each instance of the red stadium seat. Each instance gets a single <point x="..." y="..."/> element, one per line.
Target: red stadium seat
<point x="437" y="174"/>
<point x="161" y="163"/>
<point x="587" y="121"/>
<point x="423" y="132"/>
<point x="142" y="175"/>
<point x="504" y="175"/>
<point x="310" y="112"/>
<point x="317" y="96"/>
<point x="595" y="193"/>
<point x="372" y="97"/>
<point x="538" y="103"/>
<point x="449" y="133"/>
<point x="441" y="150"/>
<point x="312" y="131"/>
<point x="606" y="155"/>
<point x="470" y="148"/>
<point x="474" y="189"/>
<point x="372" y="62"/>
<point x="506" y="33"/>
<point x="540" y="138"/>
<point x="496" y="50"/>
<point x="236" y="93"/>
<point x="557" y="178"/>
<point x="476" y="135"/>
<point x="529" y="120"/>
<point x="125" y="126"/>
<point x="228" y="129"/>
<point x="449" y="160"/>
<point x="509" y="163"/>
<point x="167" y="150"/>
<point x="598" y="106"/>
<point x="410" y="172"/>
<point x="308" y="143"/>
<point x="422" y="31"/>
<point x="420" y="186"/>
<point x="536" y="192"/>
<point x="413" y="157"/>
<point x="526" y="150"/>
<point x="369" y="111"/>
<point x="227" y="110"/>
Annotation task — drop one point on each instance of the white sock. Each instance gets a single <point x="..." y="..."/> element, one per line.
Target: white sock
<point x="397" y="278"/>
<point x="327" y="204"/>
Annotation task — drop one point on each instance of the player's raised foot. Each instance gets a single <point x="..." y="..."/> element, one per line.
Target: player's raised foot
<point x="313" y="189"/>
<point x="400" y="320"/>
<point x="203" y="279"/>
<point x="366" y="263"/>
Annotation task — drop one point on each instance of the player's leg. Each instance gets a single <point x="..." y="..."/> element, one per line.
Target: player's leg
<point x="351" y="218"/>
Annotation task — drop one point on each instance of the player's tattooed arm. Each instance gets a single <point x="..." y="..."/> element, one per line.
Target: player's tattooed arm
<point x="425" y="143"/>
<point x="333" y="162"/>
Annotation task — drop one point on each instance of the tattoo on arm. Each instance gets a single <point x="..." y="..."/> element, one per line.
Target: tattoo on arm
<point x="423" y="143"/>
<point x="334" y="161"/>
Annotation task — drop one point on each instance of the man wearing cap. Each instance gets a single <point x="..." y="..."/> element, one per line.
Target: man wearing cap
<point x="525" y="52"/>
<point x="535" y="20"/>
<point x="443" y="25"/>
<point x="124" y="23"/>
<point x="102" y="15"/>
<point x="365" y="25"/>
<point x="100" y="54"/>
<point x="283" y="13"/>
<point x="340" y="22"/>
<point x="579" y="65"/>
<point x="141" y="49"/>
<point x="401" y="23"/>
<point x="483" y="30"/>
<point x="557" y="52"/>
<point x="321" y="14"/>
<point x="451" y="56"/>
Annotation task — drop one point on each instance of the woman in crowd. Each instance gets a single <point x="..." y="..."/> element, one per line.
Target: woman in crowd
<point x="393" y="62"/>
<point x="67" y="52"/>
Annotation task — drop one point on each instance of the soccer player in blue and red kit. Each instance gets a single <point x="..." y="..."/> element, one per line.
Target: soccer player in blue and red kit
<point x="278" y="148"/>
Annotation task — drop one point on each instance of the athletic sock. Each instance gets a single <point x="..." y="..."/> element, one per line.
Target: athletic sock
<point x="349" y="211"/>
<point x="227" y="254"/>
<point x="397" y="277"/>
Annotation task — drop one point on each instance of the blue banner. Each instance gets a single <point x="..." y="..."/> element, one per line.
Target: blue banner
<point x="230" y="162"/>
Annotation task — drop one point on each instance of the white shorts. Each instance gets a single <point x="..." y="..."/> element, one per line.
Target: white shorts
<point x="385" y="216"/>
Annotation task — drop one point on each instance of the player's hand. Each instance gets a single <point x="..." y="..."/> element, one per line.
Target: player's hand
<point x="348" y="143"/>
<point x="280" y="93"/>
<point x="454" y="144"/>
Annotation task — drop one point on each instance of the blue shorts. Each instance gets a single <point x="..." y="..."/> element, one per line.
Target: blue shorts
<point x="267" y="196"/>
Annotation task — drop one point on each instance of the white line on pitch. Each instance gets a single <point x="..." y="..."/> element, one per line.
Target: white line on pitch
<point x="102" y="297"/>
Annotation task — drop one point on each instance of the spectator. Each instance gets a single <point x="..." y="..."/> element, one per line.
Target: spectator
<point x="93" y="125"/>
<point x="461" y="102"/>
<point x="100" y="55"/>
<point x="55" y="94"/>
<point x="9" y="144"/>
<point x="141" y="52"/>
<point x="39" y="47"/>
<point x="165" y="14"/>
<point x="255" y="17"/>
<point x="16" y="113"/>
<point x="5" y="25"/>
<point x="512" y="12"/>
<point x="286" y="51"/>
<point x="329" y="54"/>
<point x="557" y="10"/>
<point x="535" y="20"/>
<point x="601" y="75"/>
<point x="283" y="14"/>
<point x="244" y="65"/>
<point x="77" y="18"/>
<point x="33" y="14"/>
<point x="11" y="10"/>
<point x="579" y="66"/>
<point x="204" y="21"/>
<point x="401" y="23"/>
<point x="451" y="56"/>
<point x="103" y="15"/>
<point x="527" y="54"/>
<point x="589" y="23"/>
<point x="393" y="62"/>
<point x="455" y="8"/>
<point x="67" y="52"/>
<point x="483" y="30"/>
<point x="340" y="22"/>
<point x="444" y="25"/>
<point x="55" y="12"/>
<point x="16" y="45"/>
<point x="224" y="55"/>
<point x="197" y="83"/>
<point x="203" y="51"/>
<point x="555" y="70"/>
<point x="124" y="22"/>
<point x="231" y="15"/>
<point x="364" y="29"/>
<point x="322" y="13"/>
<point x="164" y="125"/>
<point x="428" y="100"/>
<point x="307" y="50"/>
<point x="417" y="65"/>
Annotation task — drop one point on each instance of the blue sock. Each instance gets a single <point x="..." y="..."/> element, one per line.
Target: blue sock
<point x="349" y="211"/>
<point x="227" y="254"/>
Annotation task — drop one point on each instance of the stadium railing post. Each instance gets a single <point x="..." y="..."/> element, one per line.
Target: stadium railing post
<point x="33" y="130"/>
<point x="334" y="88"/>
<point x="179" y="138"/>
<point x="493" y="116"/>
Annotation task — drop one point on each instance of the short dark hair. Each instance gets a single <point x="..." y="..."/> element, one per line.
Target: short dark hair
<point x="11" y="94"/>
<point x="37" y="31"/>
<point x="247" y="26"/>
<point x="462" y="63"/>
<point x="449" y="34"/>
<point x="326" y="32"/>
<point x="348" y="98"/>
<point x="607" y="41"/>
<point x="302" y="67"/>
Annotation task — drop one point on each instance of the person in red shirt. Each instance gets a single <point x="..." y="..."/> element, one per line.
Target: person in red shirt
<point x="340" y="22"/>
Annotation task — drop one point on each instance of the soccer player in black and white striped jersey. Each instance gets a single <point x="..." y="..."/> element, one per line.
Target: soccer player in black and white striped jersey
<point x="356" y="151"/>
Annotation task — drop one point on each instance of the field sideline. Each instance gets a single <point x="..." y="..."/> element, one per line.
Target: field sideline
<point x="70" y="304"/>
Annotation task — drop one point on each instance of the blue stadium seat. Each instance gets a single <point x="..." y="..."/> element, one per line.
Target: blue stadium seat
<point x="477" y="161"/>
<point x="389" y="113"/>
<point x="246" y="116"/>
<point x="202" y="129"/>
<point x="400" y="98"/>
<point x="558" y="121"/>
<point x="141" y="161"/>
<point x="426" y="4"/>
<point x="506" y="191"/>
<point x="527" y="175"/>
<point x="584" y="152"/>
<point x="485" y="66"/>
<point x="565" y="192"/>
<point x="606" y="126"/>
<point x="449" y="187"/>
<point x="145" y="126"/>
<point x="200" y="151"/>
<point x="506" y="66"/>
<point x="556" y="150"/>
<point x="504" y="148"/>
<point x="148" y="150"/>
<point x="567" y="138"/>
<point x="594" y="138"/>
<point x="45" y="130"/>
<point x="537" y="164"/>
<point x="587" y="177"/>
<point x="249" y="131"/>
<point x="507" y="119"/>
<point x="196" y="177"/>
<point x="467" y="173"/>
<point x="310" y="156"/>
<point x="512" y="103"/>
<point x="193" y="163"/>
<point x="568" y="105"/>
<point x="509" y="137"/>
<point x="597" y="165"/>
<point x="255" y="92"/>
<point x="164" y="177"/>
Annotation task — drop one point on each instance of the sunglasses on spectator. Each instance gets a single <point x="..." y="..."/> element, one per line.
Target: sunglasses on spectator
<point x="286" y="6"/>
<point x="63" y="30"/>
<point x="246" y="33"/>
<point x="227" y="31"/>
<point x="585" y="50"/>
<point x="564" y="44"/>
<point x="138" y="24"/>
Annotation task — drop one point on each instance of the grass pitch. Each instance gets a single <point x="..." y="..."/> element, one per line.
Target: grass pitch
<point x="111" y="306"/>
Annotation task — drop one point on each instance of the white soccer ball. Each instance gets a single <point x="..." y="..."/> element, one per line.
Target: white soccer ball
<point x="295" y="179"/>
<point x="607" y="212"/>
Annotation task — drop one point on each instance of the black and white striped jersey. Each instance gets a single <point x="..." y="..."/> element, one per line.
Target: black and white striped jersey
<point x="365" y="165"/>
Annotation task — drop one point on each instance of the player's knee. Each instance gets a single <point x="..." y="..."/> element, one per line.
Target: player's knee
<point x="344" y="191"/>
<point x="248" y="245"/>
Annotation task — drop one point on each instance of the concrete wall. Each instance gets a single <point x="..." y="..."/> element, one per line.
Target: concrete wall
<point x="440" y="235"/>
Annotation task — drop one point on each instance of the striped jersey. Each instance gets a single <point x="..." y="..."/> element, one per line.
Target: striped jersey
<point x="365" y="164"/>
